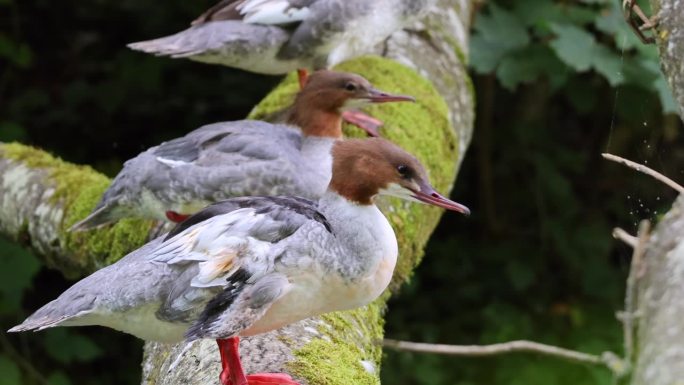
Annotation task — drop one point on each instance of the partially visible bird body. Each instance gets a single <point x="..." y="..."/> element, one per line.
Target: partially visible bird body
<point x="279" y="36"/>
<point x="255" y="265"/>
<point x="213" y="163"/>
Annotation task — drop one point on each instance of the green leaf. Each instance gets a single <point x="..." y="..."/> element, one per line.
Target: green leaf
<point x="17" y="268"/>
<point x="641" y="72"/>
<point x="67" y="346"/>
<point x="608" y="64"/>
<point x="502" y="26"/>
<point x="534" y="12"/>
<point x="496" y="34"/>
<point x="573" y="45"/>
<point x="667" y="102"/>
<point x="651" y="71"/>
<point x="611" y="22"/>
<point x="9" y="372"/>
<point x="529" y="64"/>
<point x="485" y="55"/>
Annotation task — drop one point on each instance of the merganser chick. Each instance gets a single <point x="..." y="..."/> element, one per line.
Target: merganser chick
<point x="249" y="265"/>
<point x="241" y="158"/>
<point x="279" y="36"/>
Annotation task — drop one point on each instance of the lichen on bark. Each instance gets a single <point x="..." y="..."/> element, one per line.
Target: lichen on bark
<point x="660" y="336"/>
<point x="60" y="193"/>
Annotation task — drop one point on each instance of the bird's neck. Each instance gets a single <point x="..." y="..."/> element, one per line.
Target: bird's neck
<point x="317" y="122"/>
<point x="367" y="236"/>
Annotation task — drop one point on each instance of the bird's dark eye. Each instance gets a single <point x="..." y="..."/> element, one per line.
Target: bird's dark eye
<point x="404" y="170"/>
<point x="350" y="87"/>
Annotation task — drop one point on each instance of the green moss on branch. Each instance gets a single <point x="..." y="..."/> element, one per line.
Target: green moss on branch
<point x="76" y="191"/>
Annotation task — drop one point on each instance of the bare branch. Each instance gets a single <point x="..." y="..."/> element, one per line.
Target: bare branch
<point x="607" y="359"/>
<point x="643" y="169"/>
<point x="631" y="306"/>
<point x="625" y="237"/>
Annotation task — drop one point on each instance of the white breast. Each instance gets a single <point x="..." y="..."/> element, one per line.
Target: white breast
<point x="315" y="290"/>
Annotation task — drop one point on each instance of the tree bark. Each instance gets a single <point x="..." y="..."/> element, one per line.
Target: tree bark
<point x="659" y="335"/>
<point x="40" y="197"/>
<point x="670" y="40"/>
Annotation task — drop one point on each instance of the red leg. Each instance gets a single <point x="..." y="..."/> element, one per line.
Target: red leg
<point x="303" y="76"/>
<point x="236" y="374"/>
<point x="363" y="121"/>
<point x="176" y="217"/>
<point x="225" y="372"/>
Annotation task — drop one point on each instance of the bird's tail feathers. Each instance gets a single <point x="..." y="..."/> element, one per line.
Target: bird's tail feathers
<point x="180" y="45"/>
<point x="38" y="324"/>
<point x="98" y="218"/>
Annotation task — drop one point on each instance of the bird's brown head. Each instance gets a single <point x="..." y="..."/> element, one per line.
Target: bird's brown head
<point x="365" y="168"/>
<point x="319" y="105"/>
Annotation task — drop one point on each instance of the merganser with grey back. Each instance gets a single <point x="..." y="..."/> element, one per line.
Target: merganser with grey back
<point x="241" y="158"/>
<point x="278" y="36"/>
<point x="253" y="264"/>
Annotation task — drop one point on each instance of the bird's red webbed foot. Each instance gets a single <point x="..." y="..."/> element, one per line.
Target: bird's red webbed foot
<point x="233" y="374"/>
<point x="270" y="379"/>
<point x="363" y="121"/>
<point x="259" y="379"/>
<point x="176" y="217"/>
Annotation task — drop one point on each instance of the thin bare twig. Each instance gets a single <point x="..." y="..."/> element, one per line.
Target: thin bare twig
<point x="608" y="359"/>
<point x="625" y="237"/>
<point x="645" y="170"/>
<point x="631" y="305"/>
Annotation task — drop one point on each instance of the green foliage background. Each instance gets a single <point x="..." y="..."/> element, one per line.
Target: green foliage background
<point x="557" y="83"/>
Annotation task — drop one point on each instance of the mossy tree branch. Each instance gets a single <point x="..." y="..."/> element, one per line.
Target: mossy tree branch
<point x="40" y="197"/>
<point x="669" y="17"/>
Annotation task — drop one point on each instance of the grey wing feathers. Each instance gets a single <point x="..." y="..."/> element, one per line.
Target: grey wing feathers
<point x="237" y="296"/>
<point x="327" y="19"/>
<point x="237" y="307"/>
<point x="222" y="153"/>
<point x="287" y="214"/>
<point x="228" y="39"/>
<point x="223" y="10"/>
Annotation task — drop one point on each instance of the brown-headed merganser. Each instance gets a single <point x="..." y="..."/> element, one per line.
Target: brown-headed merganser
<point x="249" y="265"/>
<point x="241" y="158"/>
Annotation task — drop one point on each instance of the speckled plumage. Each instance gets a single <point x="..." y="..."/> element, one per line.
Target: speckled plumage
<point x="279" y="36"/>
<point x="213" y="163"/>
<point x="252" y="265"/>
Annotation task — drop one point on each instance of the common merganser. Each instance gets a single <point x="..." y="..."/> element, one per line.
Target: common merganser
<point x="241" y="158"/>
<point x="278" y="36"/>
<point x="249" y="265"/>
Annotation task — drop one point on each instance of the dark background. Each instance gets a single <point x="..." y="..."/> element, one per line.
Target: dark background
<point x="557" y="83"/>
